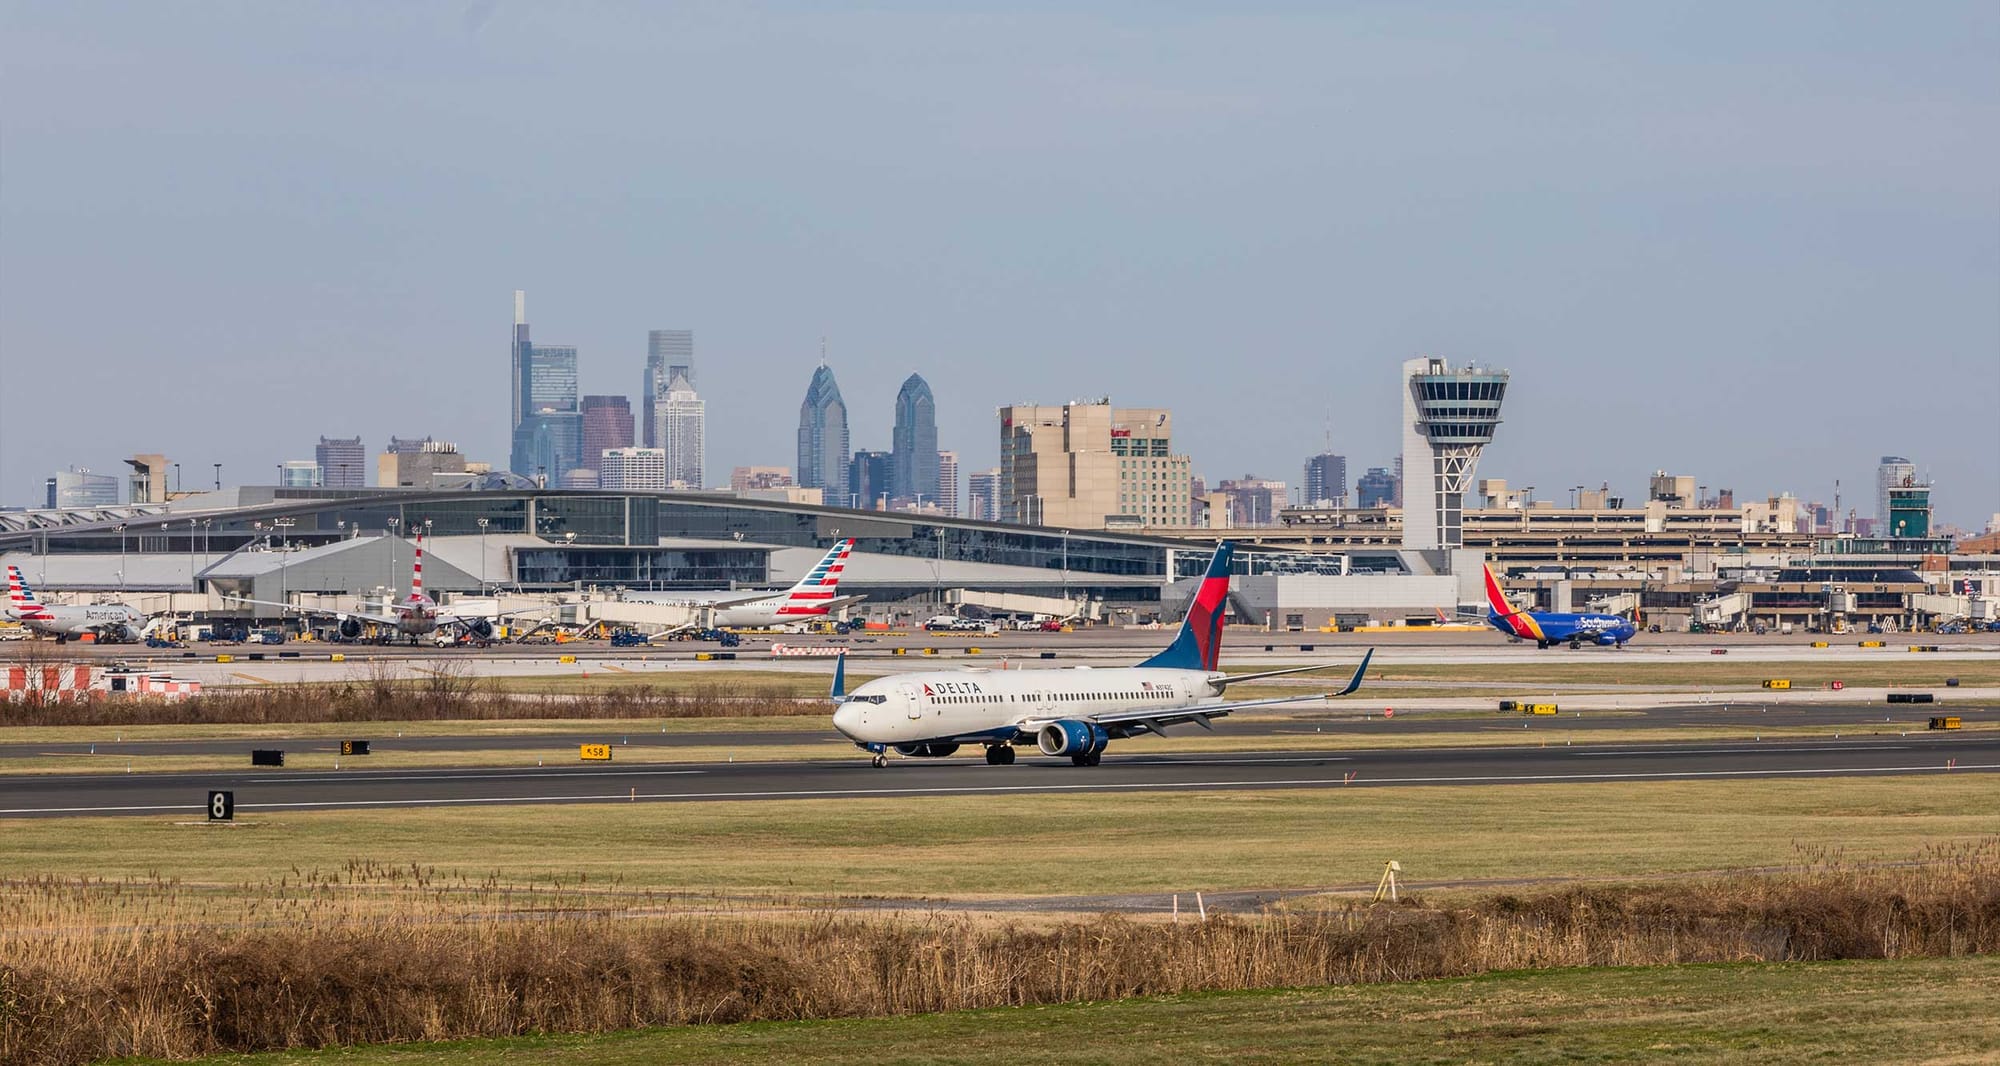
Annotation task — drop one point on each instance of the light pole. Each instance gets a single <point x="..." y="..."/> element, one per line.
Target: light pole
<point x="191" y="570"/>
<point x="939" y="531"/>
<point x="121" y="557"/>
<point x="482" y="553"/>
<point x="394" y="524"/>
<point x="284" y="527"/>
<point x="218" y="477"/>
<point x="1065" y="564"/>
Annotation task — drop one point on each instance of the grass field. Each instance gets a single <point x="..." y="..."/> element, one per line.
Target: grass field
<point x="1904" y="1011"/>
<point x="1015" y="846"/>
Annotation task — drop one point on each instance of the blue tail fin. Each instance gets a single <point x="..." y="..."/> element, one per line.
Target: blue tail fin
<point x="1198" y="646"/>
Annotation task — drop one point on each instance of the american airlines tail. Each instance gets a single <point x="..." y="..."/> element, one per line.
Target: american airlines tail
<point x="1198" y="646"/>
<point x="814" y="591"/>
<point x="21" y="600"/>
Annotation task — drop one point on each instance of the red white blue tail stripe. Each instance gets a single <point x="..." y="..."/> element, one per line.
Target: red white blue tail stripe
<point x="21" y="600"/>
<point x="811" y="595"/>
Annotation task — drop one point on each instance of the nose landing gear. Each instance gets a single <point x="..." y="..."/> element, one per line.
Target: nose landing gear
<point x="880" y="761"/>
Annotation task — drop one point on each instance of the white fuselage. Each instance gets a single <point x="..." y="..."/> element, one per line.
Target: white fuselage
<point x="946" y="704"/>
<point x="69" y="621"/>
<point x="416" y="615"/>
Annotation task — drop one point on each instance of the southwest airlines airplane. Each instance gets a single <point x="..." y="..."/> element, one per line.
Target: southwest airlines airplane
<point x="1074" y="712"/>
<point x="1549" y="628"/>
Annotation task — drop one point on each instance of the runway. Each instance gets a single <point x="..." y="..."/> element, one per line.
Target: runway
<point x="266" y="791"/>
<point x="563" y="743"/>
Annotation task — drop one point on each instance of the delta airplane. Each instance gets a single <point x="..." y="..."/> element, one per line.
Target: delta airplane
<point x="412" y="616"/>
<point x="1549" y="628"/>
<point x="107" y="621"/>
<point x="1075" y="712"/>
<point x="814" y="597"/>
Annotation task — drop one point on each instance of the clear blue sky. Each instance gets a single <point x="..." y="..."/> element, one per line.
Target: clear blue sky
<point x="1758" y="244"/>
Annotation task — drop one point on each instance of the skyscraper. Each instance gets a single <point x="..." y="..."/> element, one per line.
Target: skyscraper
<point x="983" y="495"/>
<point x="1894" y="472"/>
<point x="1326" y="480"/>
<point x="823" y="442"/>
<point x="1377" y="488"/>
<point x="869" y="475"/>
<point x="682" y="429"/>
<point x="667" y="350"/>
<point x="947" y="483"/>
<point x="78" y="487"/>
<point x="914" y="441"/>
<point x="607" y="424"/>
<point x="547" y="427"/>
<point x="343" y="463"/>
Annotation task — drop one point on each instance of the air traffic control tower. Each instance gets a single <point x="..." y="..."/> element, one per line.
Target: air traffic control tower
<point x="1448" y="416"/>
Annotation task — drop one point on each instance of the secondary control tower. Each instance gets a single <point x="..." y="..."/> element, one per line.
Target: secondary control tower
<point x="1448" y="417"/>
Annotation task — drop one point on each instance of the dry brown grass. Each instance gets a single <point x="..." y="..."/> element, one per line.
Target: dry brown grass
<point x="369" y="954"/>
<point x="449" y="693"/>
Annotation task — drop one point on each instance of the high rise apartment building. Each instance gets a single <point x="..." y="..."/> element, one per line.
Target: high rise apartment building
<point x="636" y="469"/>
<point x="342" y="462"/>
<point x="947" y="483"/>
<point x="1091" y="465"/>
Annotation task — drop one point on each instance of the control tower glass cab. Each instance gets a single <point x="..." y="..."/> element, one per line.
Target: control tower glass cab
<point x="1449" y="415"/>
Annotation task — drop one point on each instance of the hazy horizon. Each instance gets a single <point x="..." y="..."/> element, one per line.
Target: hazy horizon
<point x="1755" y="245"/>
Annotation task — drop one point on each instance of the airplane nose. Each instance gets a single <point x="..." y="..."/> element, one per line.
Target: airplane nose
<point x="847" y="718"/>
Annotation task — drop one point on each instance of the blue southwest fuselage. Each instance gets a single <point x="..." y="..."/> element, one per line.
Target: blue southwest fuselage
<point x="1549" y="628"/>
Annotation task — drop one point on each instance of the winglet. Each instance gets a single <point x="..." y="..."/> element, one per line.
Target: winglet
<point x="1359" y="672"/>
<point x="839" y="692"/>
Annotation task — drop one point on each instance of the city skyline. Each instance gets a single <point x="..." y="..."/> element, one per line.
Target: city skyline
<point x="1662" y="262"/>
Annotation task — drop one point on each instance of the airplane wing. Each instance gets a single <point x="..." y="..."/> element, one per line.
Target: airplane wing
<point x="378" y="619"/>
<point x="1237" y="679"/>
<point x="1155" y="720"/>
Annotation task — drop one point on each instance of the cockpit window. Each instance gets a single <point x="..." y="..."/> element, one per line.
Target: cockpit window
<point x="871" y="699"/>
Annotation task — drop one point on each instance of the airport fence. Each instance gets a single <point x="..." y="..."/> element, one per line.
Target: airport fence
<point x="371" y="955"/>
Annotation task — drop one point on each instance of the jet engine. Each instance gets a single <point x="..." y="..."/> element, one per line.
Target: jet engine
<point x="480" y="628"/>
<point x="931" y="751"/>
<point x="1072" y="738"/>
<point x="350" y="629"/>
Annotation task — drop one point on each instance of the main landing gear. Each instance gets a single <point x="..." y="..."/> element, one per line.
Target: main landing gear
<point x="999" y="754"/>
<point x="1086" y="760"/>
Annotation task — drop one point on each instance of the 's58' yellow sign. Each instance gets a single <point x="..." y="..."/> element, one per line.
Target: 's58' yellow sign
<point x="595" y="751"/>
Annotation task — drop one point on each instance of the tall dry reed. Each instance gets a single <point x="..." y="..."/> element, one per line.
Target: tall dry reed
<point x="369" y="954"/>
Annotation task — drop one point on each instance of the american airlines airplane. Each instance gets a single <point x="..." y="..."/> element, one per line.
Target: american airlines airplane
<point x="108" y="621"/>
<point x="412" y="616"/>
<point x="1075" y="712"/>
<point x="813" y="598"/>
